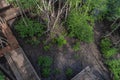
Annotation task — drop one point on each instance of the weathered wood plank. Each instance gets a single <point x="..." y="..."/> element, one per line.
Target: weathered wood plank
<point x="85" y="74"/>
<point x="13" y="66"/>
<point x="19" y="63"/>
<point x="3" y="4"/>
<point x="6" y="72"/>
<point x="23" y="65"/>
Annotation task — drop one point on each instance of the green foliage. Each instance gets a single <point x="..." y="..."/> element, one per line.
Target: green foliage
<point x="113" y="10"/>
<point x="69" y="72"/>
<point x="79" y="27"/>
<point x="96" y="9"/>
<point x="57" y="71"/>
<point x="2" y="77"/>
<point x="114" y="66"/>
<point x="92" y="7"/>
<point x="106" y="48"/>
<point x="32" y="32"/>
<point x="46" y="47"/>
<point x="33" y="41"/>
<point x="111" y="52"/>
<point x="108" y="51"/>
<point x="81" y="18"/>
<point x="45" y="63"/>
<point x="105" y="44"/>
<point x="61" y="41"/>
<point x="46" y="72"/>
<point x="24" y="3"/>
<point x="76" y="47"/>
<point x="74" y="3"/>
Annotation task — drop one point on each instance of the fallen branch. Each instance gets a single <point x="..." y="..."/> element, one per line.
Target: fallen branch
<point x="113" y="30"/>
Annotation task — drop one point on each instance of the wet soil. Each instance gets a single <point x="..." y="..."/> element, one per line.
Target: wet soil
<point x="65" y="57"/>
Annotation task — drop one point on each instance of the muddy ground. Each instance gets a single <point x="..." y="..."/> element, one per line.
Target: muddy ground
<point x="89" y="55"/>
<point x="65" y="57"/>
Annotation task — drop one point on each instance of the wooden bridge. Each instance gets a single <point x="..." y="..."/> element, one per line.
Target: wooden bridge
<point x="9" y="46"/>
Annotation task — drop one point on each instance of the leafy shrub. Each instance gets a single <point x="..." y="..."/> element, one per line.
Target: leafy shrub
<point x="46" y="47"/>
<point x="111" y="52"/>
<point x="45" y="63"/>
<point x="81" y="18"/>
<point x="61" y="41"/>
<point x="46" y="72"/>
<point x="97" y="10"/>
<point x="108" y="51"/>
<point x="79" y="26"/>
<point x="106" y="48"/>
<point x="92" y="7"/>
<point x="106" y="43"/>
<point x="113" y="10"/>
<point x="32" y="32"/>
<point x="76" y="47"/>
<point x="69" y="72"/>
<point x="114" y="66"/>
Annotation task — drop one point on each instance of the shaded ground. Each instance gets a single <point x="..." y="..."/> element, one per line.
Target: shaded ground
<point x="65" y="57"/>
<point x="5" y="68"/>
<point x="89" y="55"/>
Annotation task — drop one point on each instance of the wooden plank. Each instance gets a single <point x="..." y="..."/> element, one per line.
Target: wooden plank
<point x="23" y="65"/>
<point x="8" y="34"/>
<point x="19" y="63"/>
<point x="85" y="74"/>
<point x="11" y="14"/>
<point x="6" y="72"/>
<point x="13" y="66"/>
<point x="3" y="4"/>
<point x="16" y="58"/>
<point x="5" y="8"/>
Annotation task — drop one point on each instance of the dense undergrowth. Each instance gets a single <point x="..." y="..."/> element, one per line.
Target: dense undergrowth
<point x="107" y="49"/>
<point x="24" y="4"/>
<point x="30" y="32"/>
<point x="82" y="17"/>
<point x="79" y="27"/>
<point x="109" y="52"/>
<point x="78" y="24"/>
<point x="45" y="63"/>
<point x="114" y="66"/>
<point x="113" y="10"/>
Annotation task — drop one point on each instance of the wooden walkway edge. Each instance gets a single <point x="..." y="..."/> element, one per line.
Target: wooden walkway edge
<point x="20" y="65"/>
<point x="14" y="54"/>
<point x="85" y="74"/>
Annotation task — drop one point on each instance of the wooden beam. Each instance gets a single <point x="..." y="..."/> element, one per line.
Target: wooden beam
<point x="5" y="8"/>
<point x="6" y="72"/>
<point x="8" y="34"/>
